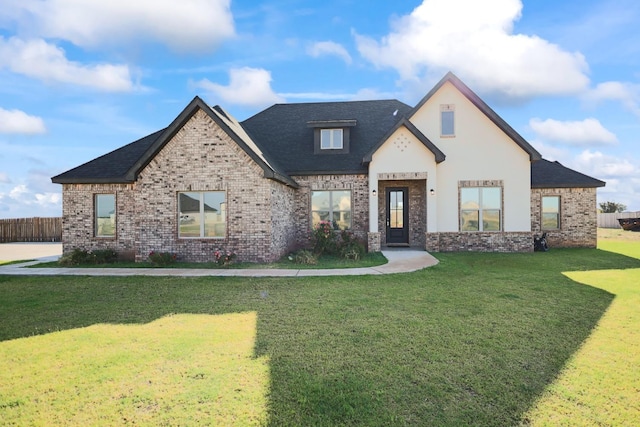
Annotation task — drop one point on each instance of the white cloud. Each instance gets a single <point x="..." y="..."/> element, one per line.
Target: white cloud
<point x="186" y="25"/>
<point x="475" y="40"/>
<point x="16" y="121"/>
<point x="43" y="61"/>
<point x="600" y="165"/>
<point x="628" y="94"/>
<point x="247" y="87"/>
<point x="586" y="132"/>
<point x="4" y="178"/>
<point x="328" y="48"/>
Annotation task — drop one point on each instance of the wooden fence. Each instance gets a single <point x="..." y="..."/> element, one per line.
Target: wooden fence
<point x="31" y="230"/>
<point x="610" y="220"/>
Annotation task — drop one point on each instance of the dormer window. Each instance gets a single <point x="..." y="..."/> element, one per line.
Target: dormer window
<point x="331" y="136"/>
<point x="331" y="139"/>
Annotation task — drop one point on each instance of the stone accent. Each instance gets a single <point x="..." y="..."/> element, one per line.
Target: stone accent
<point x="479" y="242"/>
<point x="417" y="210"/>
<point x="401" y="176"/>
<point x="200" y="157"/>
<point x="357" y="184"/>
<point x="373" y="242"/>
<point x="578" y="216"/>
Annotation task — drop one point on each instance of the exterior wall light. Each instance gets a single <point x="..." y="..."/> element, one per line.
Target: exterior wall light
<point x="374" y="193"/>
<point x="432" y="192"/>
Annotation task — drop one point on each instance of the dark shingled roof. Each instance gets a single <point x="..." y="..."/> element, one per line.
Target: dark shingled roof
<point x="283" y="131"/>
<point x="546" y="174"/>
<point x="112" y="167"/>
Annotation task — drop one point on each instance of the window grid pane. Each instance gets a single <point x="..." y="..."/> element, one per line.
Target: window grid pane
<point x="480" y="209"/>
<point x="331" y="139"/>
<point x="551" y="212"/>
<point x="333" y="206"/>
<point x="202" y="214"/>
<point x="105" y="211"/>
<point x="447" y="123"/>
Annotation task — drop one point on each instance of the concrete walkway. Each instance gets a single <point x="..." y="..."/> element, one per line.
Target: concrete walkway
<point x="401" y="260"/>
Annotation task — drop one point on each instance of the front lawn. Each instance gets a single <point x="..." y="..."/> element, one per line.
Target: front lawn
<point x="479" y="339"/>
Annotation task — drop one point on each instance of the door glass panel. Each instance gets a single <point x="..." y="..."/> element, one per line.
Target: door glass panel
<point x="396" y="209"/>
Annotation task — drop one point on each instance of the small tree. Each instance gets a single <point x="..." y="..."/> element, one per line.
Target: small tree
<point x="612" y="207"/>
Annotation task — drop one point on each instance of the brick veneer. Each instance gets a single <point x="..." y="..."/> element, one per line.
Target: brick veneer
<point x="358" y="185"/>
<point x="479" y="242"/>
<point x="578" y="216"/>
<point x="200" y="157"/>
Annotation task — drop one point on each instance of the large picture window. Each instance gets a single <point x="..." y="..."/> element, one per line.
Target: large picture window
<point x="202" y="214"/>
<point x="480" y="209"/>
<point x="105" y="215"/>
<point x="551" y="212"/>
<point x="333" y="206"/>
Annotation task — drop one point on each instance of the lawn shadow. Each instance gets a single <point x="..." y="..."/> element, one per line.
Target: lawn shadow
<point x="473" y="340"/>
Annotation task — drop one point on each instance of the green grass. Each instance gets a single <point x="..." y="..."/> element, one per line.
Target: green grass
<point x="479" y="339"/>
<point x="15" y="261"/>
<point x="324" y="262"/>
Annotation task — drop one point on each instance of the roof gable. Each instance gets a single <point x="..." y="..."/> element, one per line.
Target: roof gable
<point x="124" y="165"/>
<point x="484" y="108"/>
<point x="439" y="155"/>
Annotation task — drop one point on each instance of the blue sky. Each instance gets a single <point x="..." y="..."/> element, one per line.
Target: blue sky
<point x="80" y="78"/>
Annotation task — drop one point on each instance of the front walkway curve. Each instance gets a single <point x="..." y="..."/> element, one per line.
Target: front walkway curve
<point x="400" y="261"/>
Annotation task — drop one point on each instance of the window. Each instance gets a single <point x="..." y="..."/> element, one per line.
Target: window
<point x="202" y="214"/>
<point x="550" y="212"/>
<point x="105" y="212"/>
<point x="446" y="120"/>
<point x="480" y="209"/>
<point x="331" y="139"/>
<point x="334" y="206"/>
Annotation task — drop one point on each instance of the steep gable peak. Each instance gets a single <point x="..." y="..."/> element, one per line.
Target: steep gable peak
<point x="461" y="87"/>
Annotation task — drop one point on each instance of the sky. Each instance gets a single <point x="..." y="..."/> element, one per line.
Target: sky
<point x="81" y="78"/>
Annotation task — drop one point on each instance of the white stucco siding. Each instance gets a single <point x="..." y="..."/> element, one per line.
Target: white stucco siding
<point x="402" y="153"/>
<point x="478" y="151"/>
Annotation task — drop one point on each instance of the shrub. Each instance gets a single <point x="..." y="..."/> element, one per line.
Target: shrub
<point x="223" y="257"/>
<point x="350" y="246"/>
<point x="162" y="259"/>
<point x="105" y="256"/>
<point x="77" y="257"/>
<point x="303" y="256"/>
<point x="324" y="238"/>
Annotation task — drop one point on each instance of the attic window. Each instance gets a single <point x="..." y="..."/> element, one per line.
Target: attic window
<point x="331" y="139"/>
<point x="447" y="120"/>
<point x="331" y="136"/>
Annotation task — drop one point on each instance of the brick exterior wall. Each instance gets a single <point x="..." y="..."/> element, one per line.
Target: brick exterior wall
<point x="200" y="157"/>
<point x="479" y="242"/>
<point x="578" y="216"/>
<point x="357" y="184"/>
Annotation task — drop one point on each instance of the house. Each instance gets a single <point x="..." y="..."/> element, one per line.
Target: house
<point x="446" y="175"/>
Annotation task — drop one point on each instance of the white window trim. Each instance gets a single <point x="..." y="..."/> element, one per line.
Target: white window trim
<point x="332" y="144"/>
<point x="201" y="218"/>
<point x="558" y="214"/>
<point x="480" y="211"/>
<point x="330" y="210"/>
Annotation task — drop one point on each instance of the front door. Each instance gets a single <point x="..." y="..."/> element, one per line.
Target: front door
<point x="397" y="216"/>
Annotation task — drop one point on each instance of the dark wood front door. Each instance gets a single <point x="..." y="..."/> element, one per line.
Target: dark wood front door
<point x="397" y="216"/>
